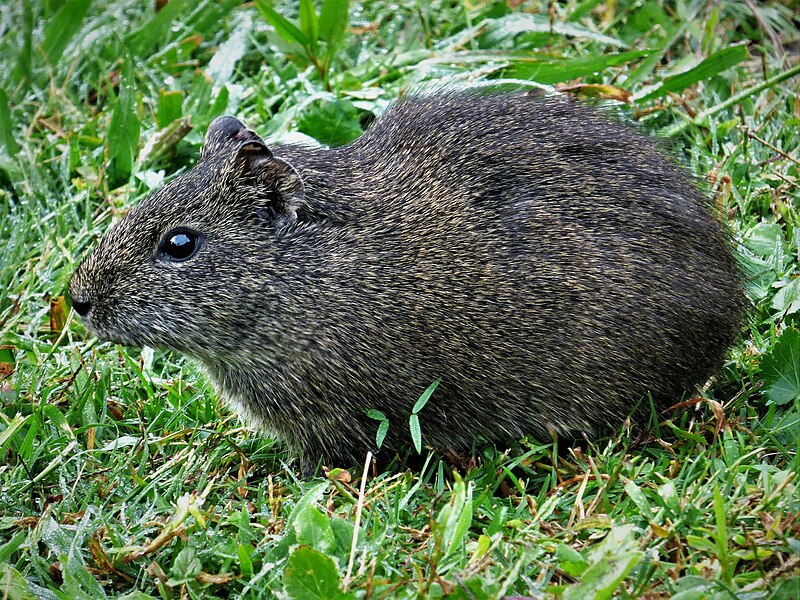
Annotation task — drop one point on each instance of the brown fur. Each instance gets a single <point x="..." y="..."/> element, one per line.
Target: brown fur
<point x="550" y="266"/>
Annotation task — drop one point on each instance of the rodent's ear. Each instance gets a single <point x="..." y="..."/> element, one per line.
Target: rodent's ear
<point x="255" y="159"/>
<point x="289" y="186"/>
<point x="253" y="151"/>
<point x="224" y="132"/>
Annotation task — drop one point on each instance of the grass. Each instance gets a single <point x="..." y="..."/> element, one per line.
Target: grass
<point x="122" y="476"/>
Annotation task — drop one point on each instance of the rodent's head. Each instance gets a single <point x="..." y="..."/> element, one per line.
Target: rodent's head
<point x="167" y="274"/>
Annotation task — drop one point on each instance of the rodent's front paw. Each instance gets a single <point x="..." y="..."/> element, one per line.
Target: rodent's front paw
<point x="309" y="465"/>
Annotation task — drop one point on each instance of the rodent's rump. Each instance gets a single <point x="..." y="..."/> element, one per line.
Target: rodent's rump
<point x="549" y="266"/>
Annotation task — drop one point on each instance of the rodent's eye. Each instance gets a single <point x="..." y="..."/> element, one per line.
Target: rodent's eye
<point x="179" y="245"/>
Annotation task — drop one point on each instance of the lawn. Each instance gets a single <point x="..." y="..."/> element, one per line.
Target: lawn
<point x="123" y="476"/>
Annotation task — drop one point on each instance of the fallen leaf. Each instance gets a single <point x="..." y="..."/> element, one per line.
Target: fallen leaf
<point x="596" y="90"/>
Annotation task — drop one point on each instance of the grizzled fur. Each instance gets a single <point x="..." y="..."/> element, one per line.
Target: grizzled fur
<point x="549" y="266"/>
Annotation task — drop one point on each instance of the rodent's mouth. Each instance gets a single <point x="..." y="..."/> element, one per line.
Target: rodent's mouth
<point x="110" y="334"/>
<point x="120" y="339"/>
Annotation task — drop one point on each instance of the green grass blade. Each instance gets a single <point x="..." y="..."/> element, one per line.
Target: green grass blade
<point x="222" y="65"/>
<point x="309" y="23"/>
<point x="333" y="20"/>
<point x="713" y="65"/>
<point x="11" y="428"/>
<point x="708" y="34"/>
<point x="23" y="69"/>
<point x="170" y="107"/>
<point x="6" y="126"/>
<point x="555" y="71"/>
<point x="15" y="586"/>
<point x="207" y="17"/>
<point x="12" y="545"/>
<point x="423" y="399"/>
<point x="721" y="536"/>
<point x="123" y="133"/>
<point x="416" y="432"/>
<point x="285" y="28"/>
<point x="583" y="9"/>
<point x="157" y="28"/>
<point x="62" y="28"/>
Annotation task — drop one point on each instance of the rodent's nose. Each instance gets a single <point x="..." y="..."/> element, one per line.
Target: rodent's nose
<point x="82" y="308"/>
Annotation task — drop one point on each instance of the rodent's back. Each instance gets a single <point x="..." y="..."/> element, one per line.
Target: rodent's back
<point x="537" y="257"/>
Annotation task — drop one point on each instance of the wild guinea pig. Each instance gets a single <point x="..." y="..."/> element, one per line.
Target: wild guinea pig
<point x="549" y="266"/>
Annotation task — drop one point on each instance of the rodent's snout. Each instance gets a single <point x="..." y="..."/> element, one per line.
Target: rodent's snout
<point x="78" y="294"/>
<point x="81" y="307"/>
